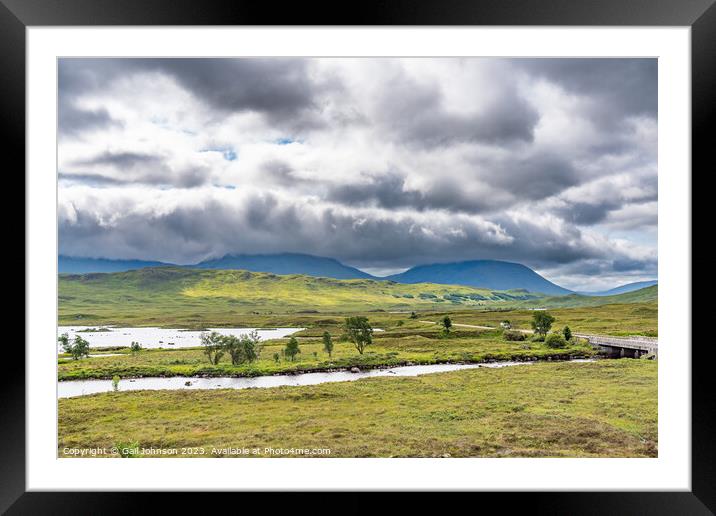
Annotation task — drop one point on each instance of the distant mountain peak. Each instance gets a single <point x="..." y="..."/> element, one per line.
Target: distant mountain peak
<point x="286" y="263"/>
<point x="492" y="274"/>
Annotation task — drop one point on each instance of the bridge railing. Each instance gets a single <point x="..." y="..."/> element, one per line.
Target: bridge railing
<point x="632" y="341"/>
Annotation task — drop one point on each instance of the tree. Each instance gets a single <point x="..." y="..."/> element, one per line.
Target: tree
<point x="292" y="349"/>
<point x="251" y="346"/>
<point x="242" y="349"/>
<point x="413" y="315"/>
<point x="447" y="324"/>
<point x="135" y="347"/>
<point x="327" y="343"/>
<point x="78" y="348"/>
<point x="64" y="341"/>
<point x="359" y="332"/>
<point x="542" y="323"/>
<point x="231" y="344"/>
<point x="213" y="346"/>
<point x="115" y="383"/>
<point x="567" y="333"/>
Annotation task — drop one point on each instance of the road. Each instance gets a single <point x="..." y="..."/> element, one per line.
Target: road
<point x="465" y="325"/>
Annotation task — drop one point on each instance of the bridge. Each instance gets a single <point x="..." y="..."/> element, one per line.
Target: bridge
<point x="633" y="346"/>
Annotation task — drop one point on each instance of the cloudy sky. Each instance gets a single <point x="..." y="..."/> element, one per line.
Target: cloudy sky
<point x="380" y="163"/>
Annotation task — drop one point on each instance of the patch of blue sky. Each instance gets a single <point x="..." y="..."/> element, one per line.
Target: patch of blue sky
<point x="286" y="141"/>
<point x="228" y="153"/>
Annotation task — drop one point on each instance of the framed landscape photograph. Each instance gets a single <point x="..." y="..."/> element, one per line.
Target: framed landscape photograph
<point x="362" y="258"/>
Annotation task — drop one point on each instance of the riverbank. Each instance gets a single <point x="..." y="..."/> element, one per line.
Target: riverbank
<point x="420" y="346"/>
<point x="606" y="408"/>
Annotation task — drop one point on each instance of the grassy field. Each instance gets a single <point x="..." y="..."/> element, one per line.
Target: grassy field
<point x="419" y="344"/>
<point x="169" y="296"/>
<point x="403" y="340"/>
<point x="614" y="319"/>
<point x="606" y="408"/>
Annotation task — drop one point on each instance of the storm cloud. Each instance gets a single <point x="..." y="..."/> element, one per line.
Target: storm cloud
<point x="382" y="163"/>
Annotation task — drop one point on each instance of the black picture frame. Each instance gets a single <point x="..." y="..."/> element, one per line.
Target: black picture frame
<point x="700" y="15"/>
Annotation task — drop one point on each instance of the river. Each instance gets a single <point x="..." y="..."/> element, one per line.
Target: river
<point x="159" y="337"/>
<point x="69" y="389"/>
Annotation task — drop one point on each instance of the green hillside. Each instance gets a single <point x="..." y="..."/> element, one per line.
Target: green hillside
<point x="191" y="296"/>
<point x="644" y="295"/>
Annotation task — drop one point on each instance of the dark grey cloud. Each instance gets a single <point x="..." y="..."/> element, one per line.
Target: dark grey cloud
<point x="603" y="204"/>
<point x="73" y="120"/>
<point x="123" y="160"/>
<point x="391" y="190"/>
<point x="587" y="214"/>
<point x="598" y="267"/>
<point x="617" y="87"/>
<point x="72" y="82"/>
<point x="135" y="168"/>
<point x="280" y="89"/>
<point x="532" y="177"/>
<point x="415" y="113"/>
<point x="266" y="224"/>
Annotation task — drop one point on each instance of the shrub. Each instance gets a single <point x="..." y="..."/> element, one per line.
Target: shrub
<point x="115" y="383"/>
<point x="292" y="349"/>
<point x="514" y="335"/>
<point x="537" y="338"/>
<point x="567" y="333"/>
<point x="413" y="315"/>
<point x="276" y="358"/>
<point x="136" y="347"/>
<point x="555" y="340"/>
<point x="129" y="450"/>
<point x="447" y="324"/>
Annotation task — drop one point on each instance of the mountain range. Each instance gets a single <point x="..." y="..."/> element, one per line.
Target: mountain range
<point x="488" y="274"/>
<point x="73" y="265"/>
<point x="192" y="296"/>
